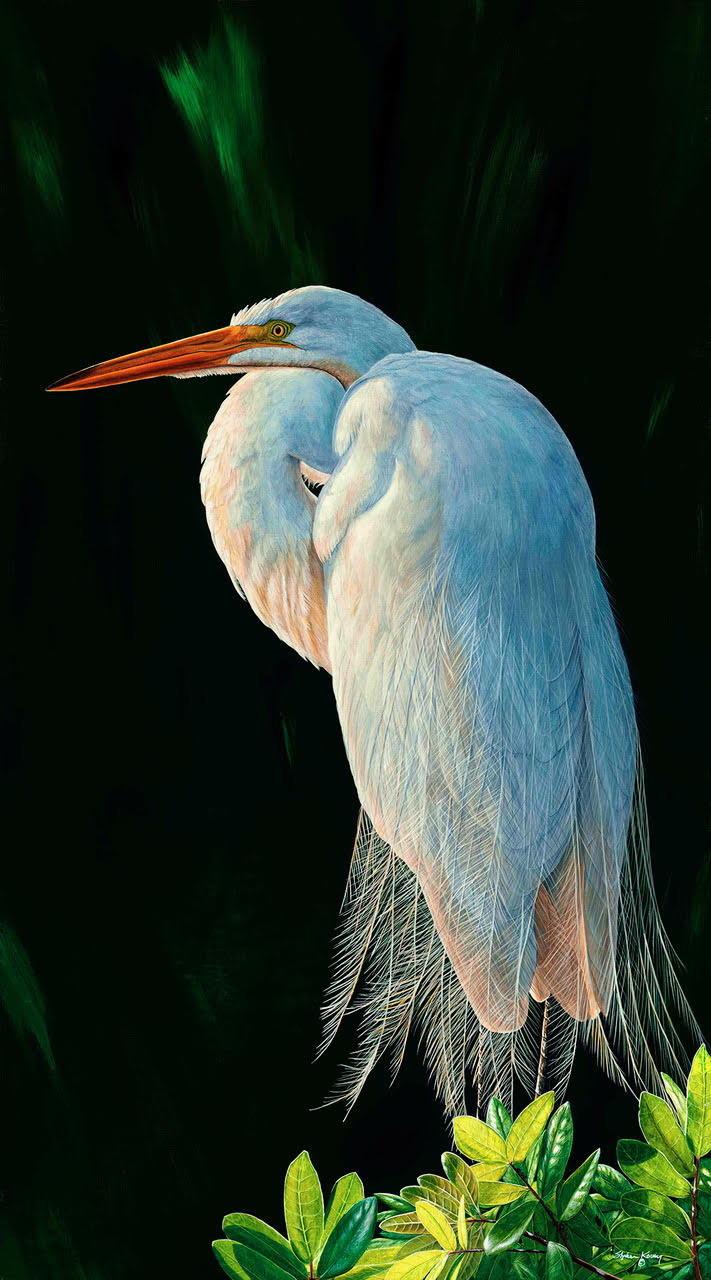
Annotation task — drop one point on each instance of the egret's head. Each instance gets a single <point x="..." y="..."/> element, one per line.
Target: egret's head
<point x="313" y="328"/>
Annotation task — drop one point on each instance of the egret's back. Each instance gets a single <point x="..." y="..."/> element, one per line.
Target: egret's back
<point x="489" y="722"/>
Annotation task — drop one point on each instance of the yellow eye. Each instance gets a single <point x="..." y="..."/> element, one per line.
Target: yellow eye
<point x="278" y="330"/>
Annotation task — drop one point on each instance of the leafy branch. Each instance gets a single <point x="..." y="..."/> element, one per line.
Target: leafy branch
<point x="505" y="1205"/>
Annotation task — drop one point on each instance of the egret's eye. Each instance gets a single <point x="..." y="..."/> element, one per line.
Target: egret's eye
<point x="278" y="329"/>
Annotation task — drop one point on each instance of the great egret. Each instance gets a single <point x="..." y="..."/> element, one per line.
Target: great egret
<point x="419" y="525"/>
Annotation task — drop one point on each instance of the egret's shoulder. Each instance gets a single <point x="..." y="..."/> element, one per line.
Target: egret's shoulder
<point x="459" y="398"/>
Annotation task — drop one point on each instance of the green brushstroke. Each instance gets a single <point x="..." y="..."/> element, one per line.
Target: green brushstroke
<point x="219" y="92"/>
<point x="20" y="994"/>
<point x="38" y="157"/>
<point x="660" y="404"/>
<point x="287" y="731"/>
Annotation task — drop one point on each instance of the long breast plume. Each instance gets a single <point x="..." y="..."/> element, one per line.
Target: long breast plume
<point x="500" y="895"/>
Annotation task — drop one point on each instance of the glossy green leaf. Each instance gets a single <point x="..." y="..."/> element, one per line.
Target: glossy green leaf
<point x="224" y="1251"/>
<point x="346" y="1192"/>
<point x="349" y="1239"/>
<point x="396" y="1203"/>
<point x="698" y="1103"/>
<point x="491" y="1193"/>
<point x="559" y="1265"/>
<point x="498" y="1118"/>
<point x="677" y="1097"/>
<point x="642" y="1237"/>
<point x="657" y="1208"/>
<point x="533" y="1159"/>
<point x="462" y="1176"/>
<point x="434" y="1221"/>
<point x="610" y="1182"/>
<point x="415" y="1267"/>
<point x="660" y="1127"/>
<point x="555" y="1151"/>
<point x="479" y="1141"/>
<point x="239" y="1260"/>
<point x="303" y="1207"/>
<point x="648" y="1168"/>
<point x="506" y="1231"/>
<point x="528" y="1127"/>
<point x="591" y="1226"/>
<point x="576" y="1189"/>
<point x="243" y="1228"/>
<point x="462" y="1225"/>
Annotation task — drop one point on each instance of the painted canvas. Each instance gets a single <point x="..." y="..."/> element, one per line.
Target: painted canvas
<point x="394" y="834"/>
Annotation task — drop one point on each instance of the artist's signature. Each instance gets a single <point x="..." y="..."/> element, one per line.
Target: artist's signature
<point x="643" y="1258"/>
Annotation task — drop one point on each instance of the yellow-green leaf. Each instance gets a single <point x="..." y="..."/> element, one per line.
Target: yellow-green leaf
<point x="649" y="1168"/>
<point x="490" y="1172"/>
<point x="698" y="1103"/>
<point x="346" y="1192"/>
<point x="528" y="1127"/>
<point x="491" y="1193"/>
<point x="462" y="1176"/>
<point x="434" y="1221"/>
<point x="415" y="1267"/>
<point x="677" y="1097"/>
<point x="462" y="1232"/>
<point x="659" y="1126"/>
<point x="303" y="1207"/>
<point x="478" y="1141"/>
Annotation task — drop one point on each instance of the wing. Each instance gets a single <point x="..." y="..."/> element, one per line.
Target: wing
<point x="482" y="692"/>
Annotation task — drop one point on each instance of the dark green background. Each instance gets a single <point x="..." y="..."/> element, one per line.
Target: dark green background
<point x="524" y="183"/>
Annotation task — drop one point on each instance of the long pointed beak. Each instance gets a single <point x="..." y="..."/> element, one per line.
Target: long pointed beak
<point x="189" y="355"/>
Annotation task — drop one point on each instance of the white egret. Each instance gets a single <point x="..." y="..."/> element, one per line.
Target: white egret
<point x="419" y="525"/>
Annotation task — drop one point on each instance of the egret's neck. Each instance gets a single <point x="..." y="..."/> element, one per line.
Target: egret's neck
<point x="259" y="511"/>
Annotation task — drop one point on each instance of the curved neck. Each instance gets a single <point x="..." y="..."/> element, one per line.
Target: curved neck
<point x="259" y="510"/>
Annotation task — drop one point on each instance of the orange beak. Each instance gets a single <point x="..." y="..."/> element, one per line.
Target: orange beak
<point x="205" y="351"/>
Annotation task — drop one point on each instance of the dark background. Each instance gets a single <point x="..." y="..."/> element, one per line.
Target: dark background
<point x="524" y="183"/>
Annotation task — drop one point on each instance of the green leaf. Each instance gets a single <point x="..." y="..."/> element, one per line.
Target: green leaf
<point x="555" y="1151"/>
<point x="559" y="1265"/>
<point x="349" y="1239"/>
<point x="591" y="1226"/>
<point x="491" y="1193"/>
<point x="403" y="1224"/>
<point x="640" y="1236"/>
<point x="498" y="1118"/>
<point x="698" y="1103"/>
<point x="649" y="1169"/>
<point x="224" y="1251"/>
<point x="462" y="1227"/>
<point x="239" y="1260"/>
<point x="490" y="1172"/>
<point x="656" y="1207"/>
<point x="576" y="1189"/>
<point x="609" y="1183"/>
<point x="506" y="1231"/>
<point x="346" y="1192"/>
<point x="659" y="1126"/>
<point x="677" y="1097"/>
<point x="479" y="1141"/>
<point x="434" y="1221"/>
<point x="432" y="1186"/>
<point x="244" y="1229"/>
<point x="528" y="1127"/>
<point x="396" y="1203"/>
<point x="461" y="1176"/>
<point x="533" y="1158"/>
<point x="415" y="1267"/>
<point x="303" y="1207"/>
